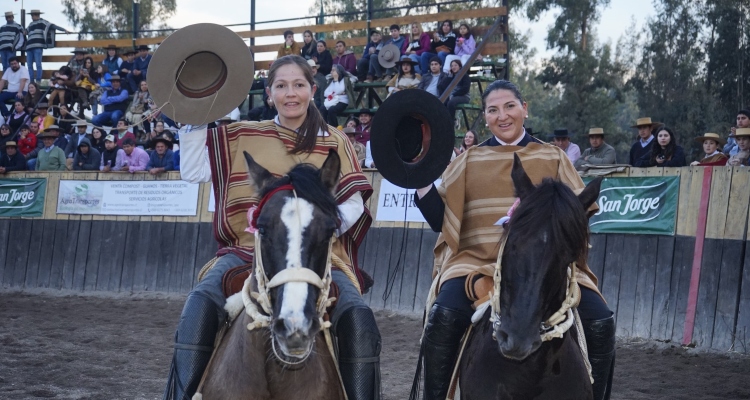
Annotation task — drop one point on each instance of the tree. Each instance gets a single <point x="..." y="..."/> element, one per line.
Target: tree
<point x="113" y="19"/>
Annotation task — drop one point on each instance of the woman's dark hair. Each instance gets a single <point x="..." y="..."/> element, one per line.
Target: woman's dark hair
<point x="314" y="122"/>
<point x="67" y="71"/>
<point x="501" y="85"/>
<point x="447" y="21"/>
<point x="353" y="118"/>
<point x="468" y="31"/>
<point x="656" y="149"/>
<point x="323" y="42"/>
<point x="311" y="35"/>
<point x="5" y="126"/>
<point x="401" y="70"/>
<point x="101" y="132"/>
<point x="88" y="59"/>
<point x="457" y="61"/>
<point x="340" y="70"/>
<point x="473" y="143"/>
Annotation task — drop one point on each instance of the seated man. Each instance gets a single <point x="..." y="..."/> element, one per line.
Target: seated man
<point x="12" y="160"/>
<point x="162" y="158"/>
<point x="115" y="102"/>
<point x="290" y="47"/>
<point x="561" y="139"/>
<point x="126" y="67"/>
<point x="75" y="139"/>
<point x="599" y="153"/>
<point x="436" y="81"/>
<point x="140" y="68"/>
<point x="87" y="158"/>
<point x="51" y="157"/>
<point x="109" y="155"/>
<point x="17" y="80"/>
<point x="345" y="58"/>
<point x="365" y="123"/>
<point x="121" y="132"/>
<point x="371" y="50"/>
<point x="397" y="40"/>
<point x="130" y="158"/>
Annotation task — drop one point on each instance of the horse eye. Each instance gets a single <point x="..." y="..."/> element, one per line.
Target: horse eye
<point x="262" y="230"/>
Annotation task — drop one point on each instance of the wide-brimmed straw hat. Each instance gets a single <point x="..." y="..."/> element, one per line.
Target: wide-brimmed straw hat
<point x="388" y="55"/>
<point x="9" y="14"/>
<point x="81" y="122"/>
<point x="47" y="133"/>
<point x="711" y="136"/>
<point x="114" y="78"/>
<point x="596" y="131"/>
<point x="11" y="144"/>
<point x="741" y="132"/>
<point x="35" y="12"/>
<point x="645" y="121"/>
<point x="203" y="71"/>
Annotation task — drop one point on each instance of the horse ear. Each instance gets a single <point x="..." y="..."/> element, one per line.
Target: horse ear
<point x="329" y="172"/>
<point x="258" y="176"/>
<point x="589" y="195"/>
<point x="521" y="181"/>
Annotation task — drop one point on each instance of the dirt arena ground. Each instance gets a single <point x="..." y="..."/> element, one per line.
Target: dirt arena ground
<point x="118" y="347"/>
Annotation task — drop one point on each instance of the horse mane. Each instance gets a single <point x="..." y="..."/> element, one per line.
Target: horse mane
<point x="305" y="178"/>
<point x="553" y="204"/>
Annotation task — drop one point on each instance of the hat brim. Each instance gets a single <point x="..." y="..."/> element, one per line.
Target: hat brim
<point x="389" y="62"/>
<point x="720" y="141"/>
<point x="394" y="138"/>
<point x="228" y="53"/>
<point x="651" y="124"/>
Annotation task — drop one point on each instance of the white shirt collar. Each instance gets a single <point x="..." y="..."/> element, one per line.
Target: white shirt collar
<point x="513" y="143"/>
<point x="647" y="141"/>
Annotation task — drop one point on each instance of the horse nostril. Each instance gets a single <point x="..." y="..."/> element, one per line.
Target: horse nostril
<point x="501" y="336"/>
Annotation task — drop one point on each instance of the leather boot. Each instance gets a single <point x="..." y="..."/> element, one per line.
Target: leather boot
<point x="442" y="340"/>
<point x="359" y="353"/>
<point x="194" y="344"/>
<point x="600" y="339"/>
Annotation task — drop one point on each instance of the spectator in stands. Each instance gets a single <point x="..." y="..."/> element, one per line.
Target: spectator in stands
<point x="338" y="95"/>
<point x="322" y="58"/>
<point x="460" y="93"/>
<point x="407" y="78"/>
<point x="32" y="97"/>
<point x="419" y="42"/>
<point x="599" y="153"/>
<point x="76" y="62"/>
<point x="64" y="84"/>
<point x="159" y="132"/>
<point x="138" y="108"/>
<point x="11" y="39"/>
<point x="712" y="143"/>
<point x="645" y="139"/>
<point x="76" y="139"/>
<point x="11" y="160"/>
<point x="320" y="83"/>
<point x="290" y="47"/>
<point x="465" y="46"/>
<point x="400" y="42"/>
<point x="743" y="121"/>
<point x="39" y="31"/>
<point x="345" y="58"/>
<point x="51" y="157"/>
<point x="126" y="68"/>
<point x="109" y="155"/>
<point x="17" y="80"/>
<point x="115" y="102"/>
<point x="5" y="136"/>
<point x="364" y="71"/>
<point x="436" y="81"/>
<point x="27" y="141"/>
<point x="353" y="122"/>
<point x="268" y="112"/>
<point x="443" y="44"/>
<point x="97" y="139"/>
<point x="359" y="148"/>
<point x="62" y="139"/>
<point x="65" y="120"/>
<point x="309" y="47"/>
<point x="102" y="84"/>
<point x="561" y="139"/>
<point x="162" y="158"/>
<point x="87" y="158"/>
<point x="18" y="117"/>
<point x="470" y="139"/>
<point x="665" y="153"/>
<point x="365" y="120"/>
<point x="140" y="68"/>
<point x="86" y="83"/>
<point x="122" y="133"/>
<point x="43" y="119"/>
<point x="742" y="137"/>
<point x="130" y="158"/>
<point x="112" y="61"/>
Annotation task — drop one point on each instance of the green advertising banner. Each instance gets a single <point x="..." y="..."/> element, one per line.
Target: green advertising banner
<point x="22" y="197"/>
<point x="642" y="206"/>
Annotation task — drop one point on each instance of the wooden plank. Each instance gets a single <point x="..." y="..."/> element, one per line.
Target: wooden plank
<point x="81" y="255"/>
<point x="46" y="255"/>
<point x="117" y="255"/>
<point x="370" y="256"/>
<point x="707" y="292"/>
<point x="732" y="257"/>
<point x="18" y="250"/>
<point x="426" y="265"/>
<point x="4" y="250"/>
<point x="396" y="267"/>
<point x="186" y="255"/>
<point x="58" y="253"/>
<point x="742" y="330"/>
<point x="36" y="241"/>
<point x="612" y="270"/>
<point x="683" y="262"/>
<point x="376" y="179"/>
<point x="737" y="209"/>
<point x="629" y="254"/>
<point x="69" y="260"/>
<point x="683" y="203"/>
<point x="689" y="220"/>
<point x="597" y="254"/>
<point x="165" y="261"/>
<point x="174" y="250"/>
<point x="662" y="284"/>
<point x="98" y="246"/>
<point x="411" y="268"/>
<point x="719" y="201"/>
<point x="142" y="256"/>
<point x="130" y="260"/>
<point x="644" y="295"/>
<point x="154" y="256"/>
<point x="382" y="267"/>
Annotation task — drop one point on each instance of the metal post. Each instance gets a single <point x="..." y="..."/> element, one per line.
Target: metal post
<point x="506" y="39"/>
<point x="252" y="21"/>
<point x="321" y="21"/>
<point x="369" y="17"/>
<point x="23" y="24"/>
<point x="136" y="10"/>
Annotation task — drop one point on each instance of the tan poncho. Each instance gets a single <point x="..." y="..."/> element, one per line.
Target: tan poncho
<point x="477" y="191"/>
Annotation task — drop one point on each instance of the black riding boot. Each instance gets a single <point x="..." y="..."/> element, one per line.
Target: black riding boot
<point x="194" y="343"/>
<point x="442" y="339"/>
<point x="359" y="353"/>
<point x="600" y="339"/>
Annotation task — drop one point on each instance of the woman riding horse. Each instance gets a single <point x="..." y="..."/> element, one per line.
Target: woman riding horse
<point x="297" y="135"/>
<point x="477" y="191"/>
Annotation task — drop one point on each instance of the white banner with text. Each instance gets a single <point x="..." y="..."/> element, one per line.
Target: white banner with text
<point x="397" y="204"/>
<point x="174" y="198"/>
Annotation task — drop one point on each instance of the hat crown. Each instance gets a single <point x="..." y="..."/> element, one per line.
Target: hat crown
<point x="596" y="131"/>
<point x="742" y="132"/>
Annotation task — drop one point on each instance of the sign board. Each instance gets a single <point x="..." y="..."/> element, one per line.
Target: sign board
<point x="22" y="197"/>
<point x="175" y="198"/>
<point x="397" y="204"/>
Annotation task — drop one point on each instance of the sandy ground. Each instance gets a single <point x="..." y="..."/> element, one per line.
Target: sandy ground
<point x="118" y="347"/>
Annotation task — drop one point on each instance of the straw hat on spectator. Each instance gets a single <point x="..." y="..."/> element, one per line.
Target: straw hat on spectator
<point x="711" y="136"/>
<point x="388" y="56"/>
<point x="312" y="63"/>
<point x="596" y="131"/>
<point x="35" y="12"/>
<point x="81" y="122"/>
<point x="741" y="132"/>
<point x="645" y="121"/>
<point x="9" y="14"/>
<point x="11" y="144"/>
<point x="48" y="132"/>
<point x="203" y="71"/>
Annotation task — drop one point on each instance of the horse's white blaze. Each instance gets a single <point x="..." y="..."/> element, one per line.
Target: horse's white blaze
<point x="296" y="215"/>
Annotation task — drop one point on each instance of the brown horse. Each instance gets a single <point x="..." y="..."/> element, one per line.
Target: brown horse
<point x="280" y="352"/>
<point x="512" y="355"/>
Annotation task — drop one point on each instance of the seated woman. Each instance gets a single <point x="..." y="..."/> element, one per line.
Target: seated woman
<point x="665" y="152"/>
<point x="64" y="84"/>
<point x="102" y="84"/>
<point x="139" y="108"/>
<point x="419" y="42"/>
<point x="443" y="44"/>
<point x="18" y="117"/>
<point x="309" y="47"/>
<point x="407" y="78"/>
<point x="712" y="142"/>
<point x="85" y="84"/>
<point x="338" y="95"/>
<point x="470" y="139"/>
<point x="32" y="97"/>
<point x="323" y="57"/>
<point x="460" y="94"/>
<point x="465" y="46"/>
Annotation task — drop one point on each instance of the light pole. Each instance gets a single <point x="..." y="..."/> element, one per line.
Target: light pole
<point x="136" y="7"/>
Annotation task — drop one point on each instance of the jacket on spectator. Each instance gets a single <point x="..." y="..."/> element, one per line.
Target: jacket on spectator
<point x="637" y="151"/>
<point x="320" y="82"/>
<point x="3" y="140"/>
<point x="16" y="120"/>
<point x="109" y="158"/>
<point x="448" y="40"/>
<point x="52" y="160"/>
<point x="309" y="49"/>
<point x="89" y="161"/>
<point x="366" y="55"/>
<point x="17" y="162"/>
<point x="125" y="64"/>
<point x="141" y="64"/>
<point x="603" y="155"/>
<point x="467" y="48"/>
<point x="294" y="49"/>
<point x="121" y="137"/>
<point x="325" y="61"/>
<point x="27" y="144"/>
<point x="75" y="66"/>
<point x="166" y="161"/>
<point x="97" y="144"/>
<point x="403" y="82"/>
<point x="419" y="45"/>
<point x="401" y="43"/>
<point x="73" y="142"/>
<point x="115" y="99"/>
<point x="136" y="161"/>
<point x="443" y="81"/>
<point x="677" y="159"/>
<point x="11" y="37"/>
<point x="347" y="60"/>
<point x="176" y="159"/>
<point x="347" y="94"/>
<point x="61" y="142"/>
<point x="113" y="65"/>
<point x="462" y="89"/>
<point x="39" y="32"/>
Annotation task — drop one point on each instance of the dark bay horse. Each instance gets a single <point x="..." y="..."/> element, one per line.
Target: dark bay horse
<point x="507" y="359"/>
<point x="285" y="355"/>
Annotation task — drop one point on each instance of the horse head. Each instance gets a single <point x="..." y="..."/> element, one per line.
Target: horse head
<point x="295" y="224"/>
<point x="548" y="231"/>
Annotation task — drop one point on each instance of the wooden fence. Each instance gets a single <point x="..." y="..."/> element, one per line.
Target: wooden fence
<point x="646" y="279"/>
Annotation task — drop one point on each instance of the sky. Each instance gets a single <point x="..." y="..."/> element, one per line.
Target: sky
<point x="615" y="19"/>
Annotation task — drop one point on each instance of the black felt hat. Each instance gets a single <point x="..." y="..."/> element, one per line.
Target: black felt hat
<point x="561" y="133"/>
<point x="411" y="138"/>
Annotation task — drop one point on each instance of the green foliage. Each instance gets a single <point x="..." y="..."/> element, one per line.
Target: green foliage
<point x="117" y="15"/>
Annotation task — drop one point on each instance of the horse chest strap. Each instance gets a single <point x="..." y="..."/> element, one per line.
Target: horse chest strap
<point x="296" y="275"/>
